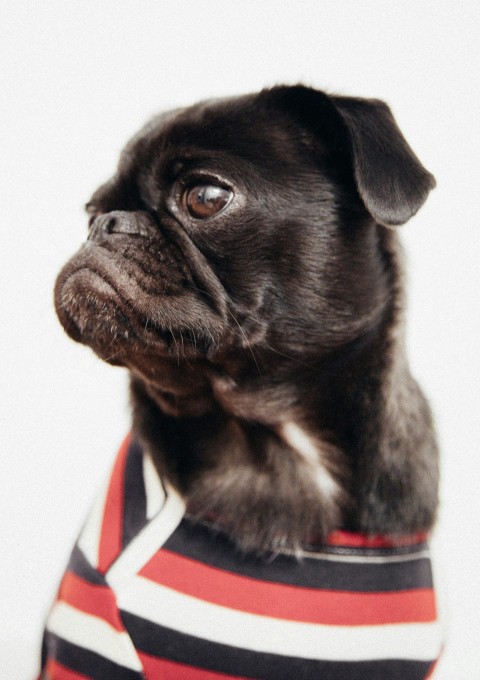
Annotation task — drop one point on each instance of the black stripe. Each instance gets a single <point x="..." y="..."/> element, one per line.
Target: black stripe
<point x="135" y="502"/>
<point x="84" y="661"/>
<point x="165" y="643"/>
<point x="80" y="566"/>
<point x="44" y="652"/>
<point x="200" y="543"/>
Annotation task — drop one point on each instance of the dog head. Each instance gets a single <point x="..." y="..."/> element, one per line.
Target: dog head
<point x="239" y="238"/>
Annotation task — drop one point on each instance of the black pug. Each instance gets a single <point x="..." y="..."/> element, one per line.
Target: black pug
<point x="243" y="265"/>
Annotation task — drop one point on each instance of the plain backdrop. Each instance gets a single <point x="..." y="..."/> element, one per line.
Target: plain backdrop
<point x="79" y="78"/>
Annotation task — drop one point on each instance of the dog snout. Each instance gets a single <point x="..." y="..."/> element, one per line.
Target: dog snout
<point x="119" y="222"/>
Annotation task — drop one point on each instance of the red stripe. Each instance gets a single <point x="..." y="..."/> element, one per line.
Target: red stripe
<point x="351" y="540"/>
<point x="110" y="545"/>
<point x="56" y="671"/>
<point x="92" y="599"/>
<point x="346" y="539"/>
<point x="155" y="668"/>
<point x="281" y="601"/>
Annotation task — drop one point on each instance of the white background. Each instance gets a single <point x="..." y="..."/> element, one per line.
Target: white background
<point x="77" y="79"/>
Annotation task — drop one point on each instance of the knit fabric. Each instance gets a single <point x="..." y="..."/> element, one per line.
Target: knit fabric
<point x="149" y="594"/>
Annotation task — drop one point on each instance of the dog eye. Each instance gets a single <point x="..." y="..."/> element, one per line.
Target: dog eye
<point x="206" y="200"/>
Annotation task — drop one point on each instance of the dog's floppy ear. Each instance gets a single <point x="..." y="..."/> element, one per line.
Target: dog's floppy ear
<point x="390" y="179"/>
<point x="363" y="134"/>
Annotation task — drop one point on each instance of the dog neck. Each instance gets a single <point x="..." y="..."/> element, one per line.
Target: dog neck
<point x="281" y="447"/>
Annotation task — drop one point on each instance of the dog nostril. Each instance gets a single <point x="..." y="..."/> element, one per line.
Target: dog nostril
<point x="110" y="225"/>
<point x="120" y="222"/>
<point x="101" y="224"/>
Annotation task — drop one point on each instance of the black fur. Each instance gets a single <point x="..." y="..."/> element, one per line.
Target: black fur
<point x="285" y="307"/>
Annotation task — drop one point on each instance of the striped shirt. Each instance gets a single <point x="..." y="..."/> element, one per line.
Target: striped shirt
<point x="149" y="594"/>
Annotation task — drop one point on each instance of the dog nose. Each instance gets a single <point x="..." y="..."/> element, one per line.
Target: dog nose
<point x="119" y="222"/>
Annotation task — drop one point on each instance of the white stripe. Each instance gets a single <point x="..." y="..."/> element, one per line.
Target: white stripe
<point x="344" y="554"/>
<point x="148" y="541"/>
<point x="94" y="634"/>
<point x="90" y="536"/>
<point x="358" y="559"/>
<point x="192" y="616"/>
<point x="153" y="487"/>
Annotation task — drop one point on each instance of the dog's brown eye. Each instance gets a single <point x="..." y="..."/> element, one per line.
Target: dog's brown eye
<point x="206" y="200"/>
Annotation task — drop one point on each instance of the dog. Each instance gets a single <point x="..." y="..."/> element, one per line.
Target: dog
<point x="243" y="264"/>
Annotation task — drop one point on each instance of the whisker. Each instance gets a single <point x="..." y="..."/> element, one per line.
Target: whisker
<point x="247" y="343"/>
<point x="297" y="361"/>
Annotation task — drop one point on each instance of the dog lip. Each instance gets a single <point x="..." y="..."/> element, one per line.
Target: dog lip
<point x="105" y="290"/>
<point x="87" y="269"/>
<point x="66" y="292"/>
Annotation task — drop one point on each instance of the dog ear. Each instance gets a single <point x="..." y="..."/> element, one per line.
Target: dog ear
<point x="362" y="137"/>
<point x="390" y="179"/>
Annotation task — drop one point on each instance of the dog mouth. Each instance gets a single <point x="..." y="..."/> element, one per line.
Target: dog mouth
<point x="93" y="312"/>
<point x="122" y="298"/>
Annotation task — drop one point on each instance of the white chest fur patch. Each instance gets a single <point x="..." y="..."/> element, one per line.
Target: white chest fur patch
<point x="312" y="455"/>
